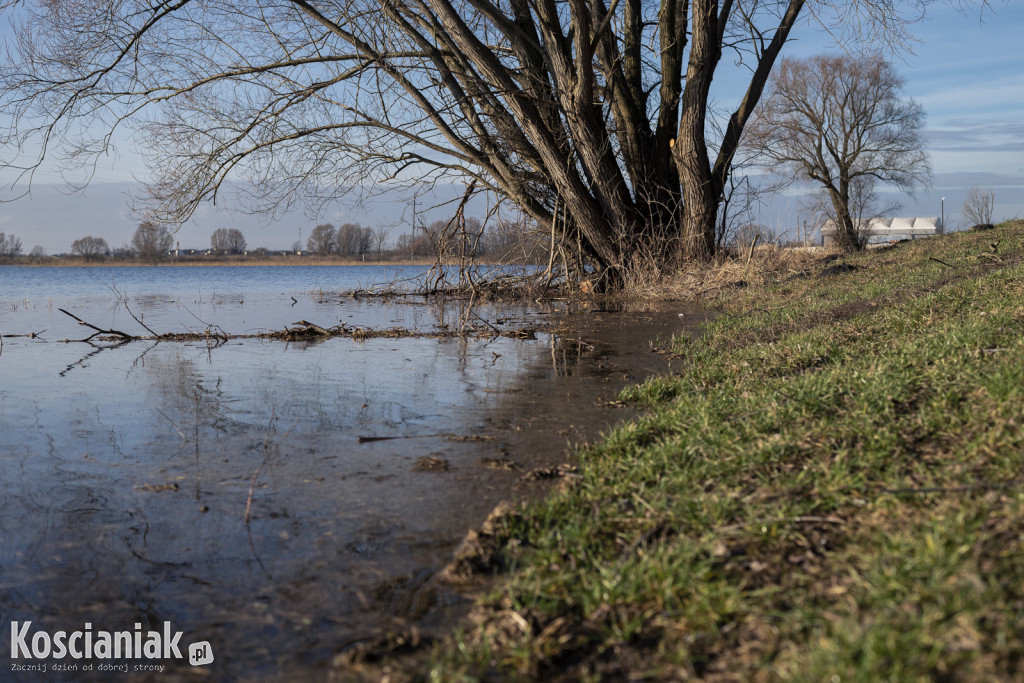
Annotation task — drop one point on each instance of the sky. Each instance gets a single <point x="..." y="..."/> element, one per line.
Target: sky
<point x="964" y="67"/>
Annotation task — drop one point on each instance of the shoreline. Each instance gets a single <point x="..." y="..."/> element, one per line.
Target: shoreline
<point x="826" y="485"/>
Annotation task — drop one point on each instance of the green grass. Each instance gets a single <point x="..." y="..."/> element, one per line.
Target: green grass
<point x="828" y="487"/>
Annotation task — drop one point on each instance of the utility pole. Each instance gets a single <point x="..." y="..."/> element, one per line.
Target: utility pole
<point x="413" y="240"/>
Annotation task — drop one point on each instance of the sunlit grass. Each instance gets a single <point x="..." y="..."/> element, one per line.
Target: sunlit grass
<point x="829" y="484"/>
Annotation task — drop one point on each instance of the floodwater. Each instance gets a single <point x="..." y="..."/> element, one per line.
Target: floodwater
<point x="280" y="501"/>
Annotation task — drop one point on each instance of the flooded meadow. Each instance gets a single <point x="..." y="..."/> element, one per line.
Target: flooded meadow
<point x="283" y="501"/>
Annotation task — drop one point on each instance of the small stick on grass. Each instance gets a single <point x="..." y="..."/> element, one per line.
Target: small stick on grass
<point x="753" y="243"/>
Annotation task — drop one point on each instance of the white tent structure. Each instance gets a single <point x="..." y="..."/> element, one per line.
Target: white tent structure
<point x="889" y="227"/>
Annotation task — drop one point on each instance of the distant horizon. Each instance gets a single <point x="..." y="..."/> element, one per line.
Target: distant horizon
<point x="71" y="217"/>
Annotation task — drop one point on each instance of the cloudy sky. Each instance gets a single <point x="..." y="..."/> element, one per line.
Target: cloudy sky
<point x="966" y="70"/>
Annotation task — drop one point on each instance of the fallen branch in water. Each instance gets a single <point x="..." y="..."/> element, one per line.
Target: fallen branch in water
<point x="30" y="335"/>
<point x="303" y="330"/>
<point x="447" y="435"/>
<point x="116" y="333"/>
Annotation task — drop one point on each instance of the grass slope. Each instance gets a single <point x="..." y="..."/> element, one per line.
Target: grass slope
<point x="828" y="487"/>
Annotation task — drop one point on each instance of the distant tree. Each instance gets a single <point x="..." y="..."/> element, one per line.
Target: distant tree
<point x="90" y="247"/>
<point x="297" y="246"/>
<point x="841" y="122"/>
<point x="979" y="206"/>
<point x="353" y="239"/>
<point x="431" y="238"/>
<point x="9" y="245"/>
<point x="322" y="239"/>
<point x="227" y="241"/>
<point x="414" y="244"/>
<point x="151" y="241"/>
<point x="379" y="239"/>
<point x="749" y="233"/>
<point x="37" y="251"/>
<point x="514" y="241"/>
<point x="347" y="239"/>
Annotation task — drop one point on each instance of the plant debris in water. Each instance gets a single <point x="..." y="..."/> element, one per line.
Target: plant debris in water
<point x="300" y="331"/>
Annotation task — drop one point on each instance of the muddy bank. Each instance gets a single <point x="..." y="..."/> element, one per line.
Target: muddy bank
<point x="530" y="436"/>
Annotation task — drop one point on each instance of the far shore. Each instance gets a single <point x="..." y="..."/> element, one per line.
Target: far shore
<point x="171" y="261"/>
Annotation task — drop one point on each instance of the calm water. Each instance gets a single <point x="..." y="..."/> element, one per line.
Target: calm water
<point x="225" y="489"/>
<point x="239" y="299"/>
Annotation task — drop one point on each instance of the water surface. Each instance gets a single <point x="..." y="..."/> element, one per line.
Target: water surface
<point x="241" y="491"/>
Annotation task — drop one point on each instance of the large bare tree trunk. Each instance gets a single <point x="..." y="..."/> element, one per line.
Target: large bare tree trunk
<point x="700" y="199"/>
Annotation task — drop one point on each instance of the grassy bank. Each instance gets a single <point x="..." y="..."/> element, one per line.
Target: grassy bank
<point x="829" y="484"/>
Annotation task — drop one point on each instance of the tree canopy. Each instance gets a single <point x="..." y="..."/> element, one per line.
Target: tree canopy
<point x="843" y="123"/>
<point x="90" y="247"/>
<point x="227" y="241"/>
<point x="593" y="116"/>
<point x="10" y="245"/>
<point x="152" y="241"/>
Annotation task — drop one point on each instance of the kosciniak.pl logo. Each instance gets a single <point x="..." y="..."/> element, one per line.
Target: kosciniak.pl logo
<point x="31" y="645"/>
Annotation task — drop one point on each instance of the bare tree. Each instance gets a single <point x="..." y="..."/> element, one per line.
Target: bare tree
<point x="380" y="238"/>
<point x="750" y="234"/>
<point x="322" y="239"/>
<point x="90" y="247"/>
<point x="353" y="239"/>
<point x="598" y="107"/>
<point x="152" y="241"/>
<point x="38" y="251"/>
<point x="227" y="241"/>
<point x="979" y="206"/>
<point x="842" y="123"/>
<point x="9" y="245"/>
<point x="508" y="241"/>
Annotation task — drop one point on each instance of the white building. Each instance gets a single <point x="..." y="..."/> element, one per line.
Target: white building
<point x="891" y="228"/>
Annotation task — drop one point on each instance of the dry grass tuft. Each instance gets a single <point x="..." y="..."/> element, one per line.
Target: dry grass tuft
<point x="698" y="282"/>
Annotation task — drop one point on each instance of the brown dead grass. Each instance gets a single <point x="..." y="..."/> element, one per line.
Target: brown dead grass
<point x="700" y="281"/>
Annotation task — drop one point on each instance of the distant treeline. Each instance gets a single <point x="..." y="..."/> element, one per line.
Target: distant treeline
<point x="498" y="241"/>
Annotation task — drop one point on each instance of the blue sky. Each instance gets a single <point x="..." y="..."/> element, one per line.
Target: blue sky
<point x="966" y="70"/>
<point x="969" y="76"/>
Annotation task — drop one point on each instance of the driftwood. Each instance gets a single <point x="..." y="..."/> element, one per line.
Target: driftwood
<point x="302" y="330"/>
